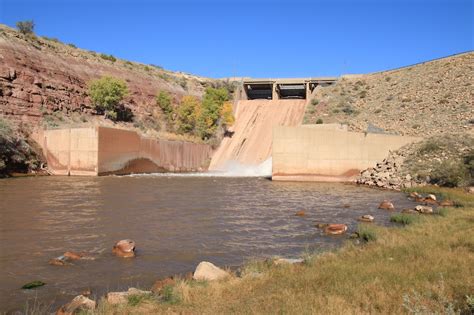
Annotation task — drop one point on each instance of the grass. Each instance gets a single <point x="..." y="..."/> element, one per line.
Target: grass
<point x="367" y="233"/>
<point x="425" y="267"/>
<point x="404" y="218"/>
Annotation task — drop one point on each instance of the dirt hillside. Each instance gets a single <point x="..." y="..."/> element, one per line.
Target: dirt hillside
<point x="421" y="100"/>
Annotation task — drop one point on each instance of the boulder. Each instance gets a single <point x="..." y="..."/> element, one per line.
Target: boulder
<point x="79" y="304"/>
<point x="122" y="297"/>
<point x="335" y="229"/>
<point x="431" y="197"/>
<point x="410" y="211"/>
<point x="387" y="205"/>
<point x="415" y="195"/>
<point x="208" y="271"/>
<point x="470" y="190"/>
<point x="160" y="284"/>
<point x="424" y="209"/>
<point x="321" y="225"/>
<point x="124" y="248"/>
<point x="73" y="255"/>
<point x="366" y="218"/>
<point x="300" y="213"/>
<point x="59" y="261"/>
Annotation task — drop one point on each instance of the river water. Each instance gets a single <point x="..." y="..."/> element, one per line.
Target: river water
<point x="176" y="222"/>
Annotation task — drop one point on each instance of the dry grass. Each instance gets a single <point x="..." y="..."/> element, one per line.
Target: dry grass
<point x="427" y="267"/>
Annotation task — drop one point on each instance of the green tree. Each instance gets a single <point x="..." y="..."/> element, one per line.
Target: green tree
<point x="106" y="94"/>
<point x="212" y="104"/>
<point x="163" y="100"/>
<point x="26" y="27"/>
<point x="188" y="114"/>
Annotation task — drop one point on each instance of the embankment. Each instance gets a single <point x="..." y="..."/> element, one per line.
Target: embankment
<point x="104" y="151"/>
<point x="250" y="140"/>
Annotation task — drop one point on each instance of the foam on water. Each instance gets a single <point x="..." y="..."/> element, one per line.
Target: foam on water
<point x="231" y="169"/>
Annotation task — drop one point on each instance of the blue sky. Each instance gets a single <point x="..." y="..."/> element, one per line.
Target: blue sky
<point x="257" y="38"/>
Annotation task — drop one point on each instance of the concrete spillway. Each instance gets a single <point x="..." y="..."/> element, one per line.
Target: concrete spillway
<point x="250" y="142"/>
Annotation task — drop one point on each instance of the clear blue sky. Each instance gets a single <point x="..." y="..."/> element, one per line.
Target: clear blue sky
<point x="257" y="38"/>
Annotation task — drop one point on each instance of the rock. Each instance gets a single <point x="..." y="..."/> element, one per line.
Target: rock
<point x="124" y="248"/>
<point x="73" y="255"/>
<point x="122" y="297"/>
<point x="208" y="271"/>
<point x="446" y="203"/>
<point x="470" y="190"/>
<point x="408" y="177"/>
<point x="424" y="209"/>
<point x="366" y="218"/>
<point x="335" y="229"/>
<point x="414" y="195"/>
<point x="346" y="206"/>
<point x="429" y="201"/>
<point x="59" y="261"/>
<point x="79" y="304"/>
<point x="300" y="213"/>
<point x="431" y="196"/>
<point x="290" y="261"/>
<point x="86" y="292"/>
<point x="387" y="205"/>
<point x="33" y="284"/>
<point x="160" y="284"/>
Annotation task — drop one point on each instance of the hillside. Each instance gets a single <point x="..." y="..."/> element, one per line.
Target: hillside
<point x="421" y="100"/>
<point x="44" y="81"/>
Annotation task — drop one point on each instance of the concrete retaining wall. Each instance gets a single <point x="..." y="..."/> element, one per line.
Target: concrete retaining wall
<point x="328" y="153"/>
<point x="101" y="151"/>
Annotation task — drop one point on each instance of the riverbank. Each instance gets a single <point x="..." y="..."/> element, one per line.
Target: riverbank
<point x="426" y="266"/>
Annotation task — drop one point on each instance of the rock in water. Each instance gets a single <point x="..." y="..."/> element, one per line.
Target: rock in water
<point x="431" y="196"/>
<point x="387" y="205"/>
<point x="424" y="209"/>
<point x="124" y="248"/>
<point x="33" y="284"/>
<point x="366" y="218"/>
<point x="335" y="229"/>
<point x="300" y="213"/>
<point x="208" y="271"/>
<point x="79" y="304"/>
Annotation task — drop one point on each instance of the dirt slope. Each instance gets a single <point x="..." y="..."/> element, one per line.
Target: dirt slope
<point x="426" y="99"/>
<point x="251" y="141"/>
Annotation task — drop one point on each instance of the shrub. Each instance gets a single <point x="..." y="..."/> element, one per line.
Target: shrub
<point x="429" y="147"/>
<point x="314" y="102"/>
<point x="72" y="45"/>
<point x="136" y="299"/>
<point x="212" y="104"/>
<point x="227" y="114"/>
<point x="403" y="218"/>
<point x="106" y="94"/>
<point x="442" y="212"/>
<point x="169" y="295"/>
<point x="26" y="27"/>
<point x="366" y="233"/>
<point x="450" y="173"/>
<point x="163" y="100"/>
<point x="108" y="57"/>
<point x="188" y="114"/>
<point x="319" y="121"/>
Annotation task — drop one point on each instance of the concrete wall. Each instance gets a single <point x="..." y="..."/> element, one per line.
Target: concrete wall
<point x="101" y="151"/>
<point x="328" y="153"/>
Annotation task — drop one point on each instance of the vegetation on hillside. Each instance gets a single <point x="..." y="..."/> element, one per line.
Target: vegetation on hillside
<point x="107" y="93"/>
<point x="424" y="267"/>
<point x="16" y="154"/>
<point x="26" y="27"/>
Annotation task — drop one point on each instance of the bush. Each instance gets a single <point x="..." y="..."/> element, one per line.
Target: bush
<point x="227" y="114"/>
<point x="108" y="57"/>
<point x="106" y="94"/>
<point x="366" y="233"/>
<point x="26" y="27"/>
<point x="403" y="218"/>
<point x="212" y="104"/>
<point x="188" y="114"/>
<point x="314" y="102"/>
<point x="72" y="45"/>
<point x="450" y="173"/>
<point x="319" y="121"/>
<point x="163" y="100"/>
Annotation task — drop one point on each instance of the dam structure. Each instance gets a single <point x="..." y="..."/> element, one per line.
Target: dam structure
<point x="261" y="105"/>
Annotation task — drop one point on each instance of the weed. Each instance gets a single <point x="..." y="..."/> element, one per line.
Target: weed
<point x="169" y="295"/>
<point x="366" y="233"/>
<point x="404" y="218"/>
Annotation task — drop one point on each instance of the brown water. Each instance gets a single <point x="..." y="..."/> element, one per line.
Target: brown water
<point x="175" y="221"/>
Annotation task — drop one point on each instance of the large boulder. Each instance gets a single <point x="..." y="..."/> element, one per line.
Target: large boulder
<point x="335" y="229"/>
<point x="424" y="209"/>
<point x="124" y="248"/>
<point x="366" y="218"/>
<point x="208" y="271"/>
<point x="79" y="304"/>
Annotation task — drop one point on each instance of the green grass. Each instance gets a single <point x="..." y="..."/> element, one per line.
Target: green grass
<point x="367" y="233"/>
<point x="404" y="218"/>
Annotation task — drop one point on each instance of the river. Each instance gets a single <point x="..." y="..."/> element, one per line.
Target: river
<point x="176" y="222"/>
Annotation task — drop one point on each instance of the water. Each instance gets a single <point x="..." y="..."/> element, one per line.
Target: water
<point x="176" y="221"/>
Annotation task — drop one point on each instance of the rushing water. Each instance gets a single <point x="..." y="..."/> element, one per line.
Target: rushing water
<point x="176" y="222"/>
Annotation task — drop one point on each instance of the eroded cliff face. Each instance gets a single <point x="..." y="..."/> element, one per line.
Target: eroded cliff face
<point x="40" y="77"/>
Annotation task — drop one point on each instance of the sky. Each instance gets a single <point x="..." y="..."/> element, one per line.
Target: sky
<point x="259" y="38"/>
